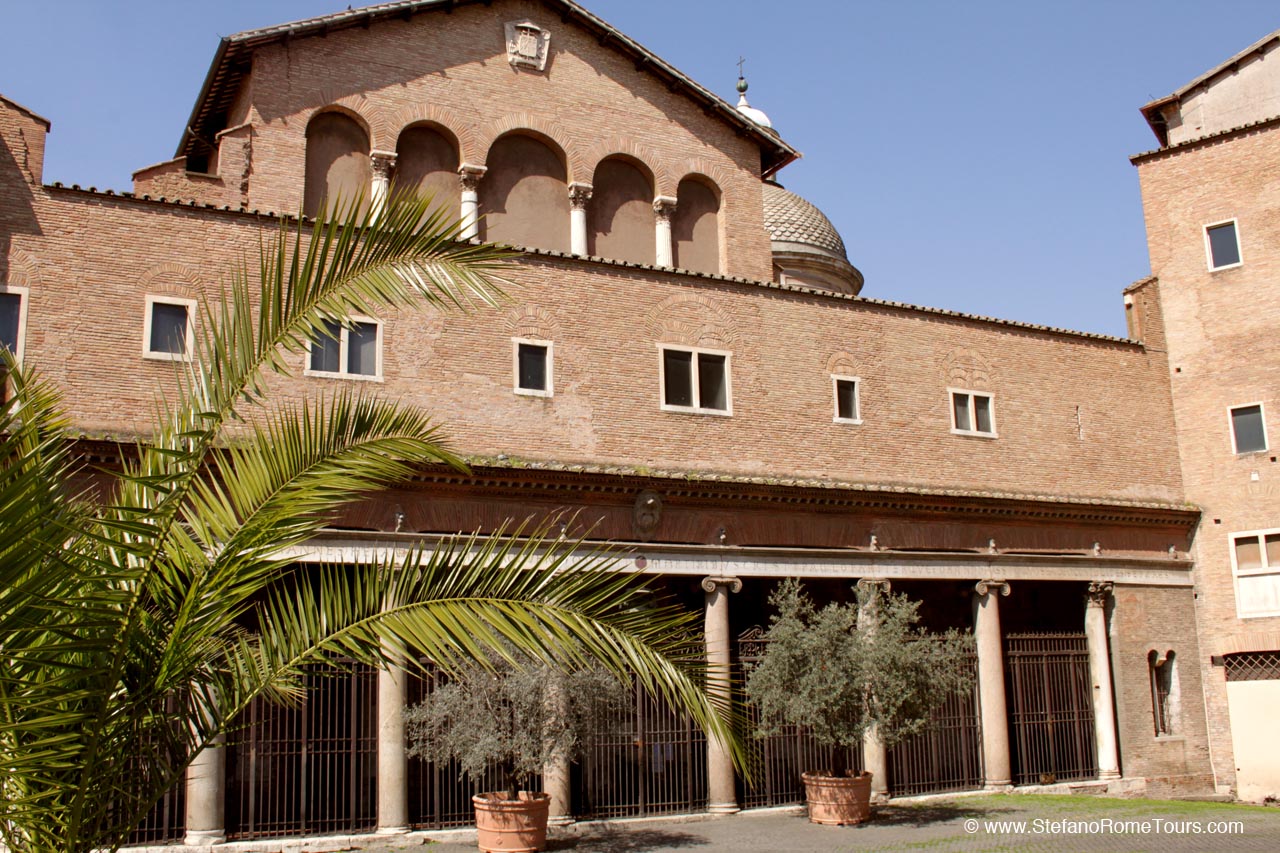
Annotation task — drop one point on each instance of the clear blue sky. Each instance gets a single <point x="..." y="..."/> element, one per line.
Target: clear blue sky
<point x="973" y="154"/>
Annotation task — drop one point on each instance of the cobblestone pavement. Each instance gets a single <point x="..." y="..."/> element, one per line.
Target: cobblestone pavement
<point x="992" y="823"/>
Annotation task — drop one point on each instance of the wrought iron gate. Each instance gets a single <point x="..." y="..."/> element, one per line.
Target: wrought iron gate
<point x="777" y="761"/>
<point x="166" y="822"/>
<point x="948" y="755"/>
<point x="1051" y="734"/>
<point x="652" y="760"/>
<point x="309" y="769"/>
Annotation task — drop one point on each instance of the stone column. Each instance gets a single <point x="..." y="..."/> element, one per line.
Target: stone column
<point x="579" y="195"/>
<point x="721" y="794"/>
<point x="393" y="764"/>
<point x="995" y="721"/>
<point x="875" y="758"/>
<point x="382" y="162"/>
<point x="1104" y="709"/>
<point x="665" y="207"/>
<point x="206" y="780"/>
<point x="470" y="176"/>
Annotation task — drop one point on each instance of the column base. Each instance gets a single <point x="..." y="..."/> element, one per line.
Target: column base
<point x="561" y="820"/>
<point x="204" y="837"/>
<point x="723" y="808"/>
<point x="391" y="830"/>
<point x="998" y="786"/>
<point x="1109" y="775"/>
<point x="879" y="798"/>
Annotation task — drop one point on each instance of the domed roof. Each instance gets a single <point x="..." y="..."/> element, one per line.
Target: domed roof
<point x="791" y="219"/>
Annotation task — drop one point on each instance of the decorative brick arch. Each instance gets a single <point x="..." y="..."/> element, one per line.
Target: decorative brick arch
<point x="23" y="271"/>
<point x="532" y="321"/>
<point x="173" y="280"/>
<point x="628" y="149"/>
<point x="488" y="134"/>
<point x="357" y="108"/>
<point x="710" y="173"/>
<point x="691" y="320"/>
<point x="441" y="118"/>
<point x="966" y="368"/>
<point x="843" y="363"/>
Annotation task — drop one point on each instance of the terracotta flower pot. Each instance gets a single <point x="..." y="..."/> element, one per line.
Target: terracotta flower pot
<point x="838" y="800"/>
<point x="512" y="826"/>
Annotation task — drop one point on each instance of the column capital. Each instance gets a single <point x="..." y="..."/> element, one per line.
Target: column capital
<point x="470" y="175"/>
<point x="1099" y="592"/>
<point x="992" y="587"/>
<point x="664" y="206"/>
<point x="382" y="162"/>
<point x="878" y="584"/>
<point x="709" y="584"/>
<point x="579" y="194"/>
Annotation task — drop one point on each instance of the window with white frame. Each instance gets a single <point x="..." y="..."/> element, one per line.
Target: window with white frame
<point x="1222" y="245"/>
<point x="848" y="408"/>
<point x="1255" y="559"/>
<point x="167" y="330"/>
<point x="350" y="348"/>
<point x="695" y="380"/>
<point x="13" y="319"/>
<point x="533" y="374"/>
<point x="972" y="413"/>
<point x="1248" y="429"/>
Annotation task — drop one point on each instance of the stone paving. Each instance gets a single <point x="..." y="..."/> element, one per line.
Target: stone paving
<point x="1037" y="824"/>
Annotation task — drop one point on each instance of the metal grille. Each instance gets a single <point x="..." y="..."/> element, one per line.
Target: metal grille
<point x="1050" y="702"/>
<point x="440" y="795"/>
<point x="948" y="755"/>
<point x="166" y="822"/>
<point x="652" y="760"/>
<point x="309" y="769"/>
<point x="1253" y="666"/>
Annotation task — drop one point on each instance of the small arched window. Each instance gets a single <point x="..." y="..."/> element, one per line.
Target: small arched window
<point x="695" y="228"/>
<point x="1164" y="691"/>
<point x="338" y="168"/>
<point x="620" y="215"/>
<point x="524" y="197"/>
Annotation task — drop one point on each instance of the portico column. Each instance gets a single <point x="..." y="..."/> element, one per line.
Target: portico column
<point x="1104" y="715"/>
<point x="382" y="162"/>
<point x="470" y="175"/>
<point x="206" y="781"/>
<point x="393" y="765"/>
<point x="579" y="195"/>
<point x="665" y="207"/>
<point x="995" y="722"/>
<point x="875" y="758"/>
<point x="556" y="778"/>
<point x="721" y="795"/>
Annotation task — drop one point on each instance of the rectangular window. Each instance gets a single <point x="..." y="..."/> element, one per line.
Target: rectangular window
<point x="350" y="348"/>
<point x="1222" y="244"/>
<point x="846" y="397"/>
<point x="1248" y="429"/>
<point x="533" y="367"/>
<point x="973" y="413"/>
<point x="695" y="380"/>
<point x="13" y="310"/>
<point x="1255" y="559"/>
<point x="167" y="333"/>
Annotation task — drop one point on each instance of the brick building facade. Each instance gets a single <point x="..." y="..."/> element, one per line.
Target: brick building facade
<point x="711" y="391"/>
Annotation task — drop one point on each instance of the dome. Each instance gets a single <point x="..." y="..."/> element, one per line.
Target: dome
<point x="807" y="248"/>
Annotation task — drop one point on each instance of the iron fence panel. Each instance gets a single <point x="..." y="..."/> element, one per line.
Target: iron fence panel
<point x="1050" y="701"/>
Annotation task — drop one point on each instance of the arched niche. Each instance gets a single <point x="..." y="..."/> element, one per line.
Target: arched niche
<point x="524" y="197"/>
<point x="427" y="163"/>
<point x="695" y="228"/>
<point x="337" y="161"/>
<point x="620" y="215"/>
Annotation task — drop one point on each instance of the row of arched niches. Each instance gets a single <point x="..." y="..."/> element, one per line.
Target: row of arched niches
<point x="524" y="195"/>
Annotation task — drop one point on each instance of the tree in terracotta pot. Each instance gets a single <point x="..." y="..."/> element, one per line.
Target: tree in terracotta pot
<point x="512" y="718"/>
<point x="845" y="669"/>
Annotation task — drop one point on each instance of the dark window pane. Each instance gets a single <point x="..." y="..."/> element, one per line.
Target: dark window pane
<point x="982" y="413"/>
<point x="960" y="405"/>
<point x="846" y="399"/>
<point x="677" y="371"/>
<point x="713" y="388"/>
<point x="168" y="328"/>
<point x="1246" y="422"/>
<point x="362" y="349"/>
<point x="1223" y="245"/>
<point x="10" y="306"/>
<point x="532" y="360"/>
<point x="325" y="351"/>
